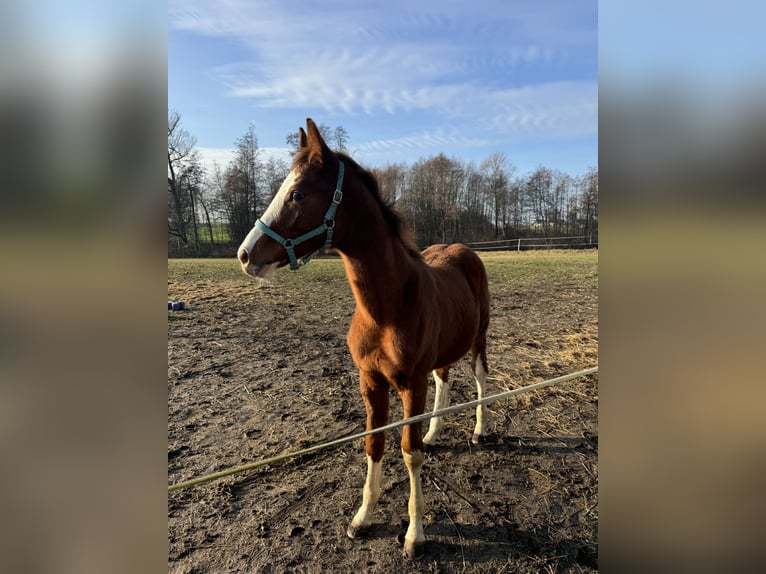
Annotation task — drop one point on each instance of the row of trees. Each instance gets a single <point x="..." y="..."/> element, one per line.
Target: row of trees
<point x="443" y="199"/>
<point x="447" y="200"/>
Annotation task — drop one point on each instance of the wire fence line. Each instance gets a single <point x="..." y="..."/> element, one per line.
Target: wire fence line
<point x="425" y="416"/>
<point x="528" y="243"/>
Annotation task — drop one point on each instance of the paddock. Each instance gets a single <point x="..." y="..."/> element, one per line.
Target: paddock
<point x="525" y="500"/>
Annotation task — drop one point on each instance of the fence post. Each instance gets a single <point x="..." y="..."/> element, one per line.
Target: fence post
<point x="518" y="245"/>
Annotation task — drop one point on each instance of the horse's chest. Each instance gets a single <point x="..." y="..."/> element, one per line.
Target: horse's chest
<point x="385" y="351"/>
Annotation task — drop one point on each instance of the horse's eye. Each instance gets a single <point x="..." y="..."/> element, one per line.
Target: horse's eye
<point x="296" y="196"/>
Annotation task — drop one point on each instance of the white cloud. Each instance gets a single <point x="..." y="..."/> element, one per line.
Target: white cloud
<point x="212" y="156"/>
<point x="445" y="59"/>
<point x="561" y="109"/>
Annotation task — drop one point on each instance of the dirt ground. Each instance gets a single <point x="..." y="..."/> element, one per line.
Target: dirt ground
<point x="258" y="370"/>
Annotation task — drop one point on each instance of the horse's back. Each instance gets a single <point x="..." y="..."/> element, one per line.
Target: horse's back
<point x="448" y="260"/>
<point x="458" y="257"/>
<point x="459" y="302"/>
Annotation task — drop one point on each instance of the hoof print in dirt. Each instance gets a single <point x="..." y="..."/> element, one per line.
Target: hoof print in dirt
<point x="297" y="531"/>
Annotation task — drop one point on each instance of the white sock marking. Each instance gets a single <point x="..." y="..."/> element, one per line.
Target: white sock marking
<point x="441" y="401"/>
<point x="481" y="377"/>
<point x="370" y="494"/>
<point x="416" y="505"/>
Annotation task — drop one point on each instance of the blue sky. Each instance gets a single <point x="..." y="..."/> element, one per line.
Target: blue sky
<point x="407" y="79"/>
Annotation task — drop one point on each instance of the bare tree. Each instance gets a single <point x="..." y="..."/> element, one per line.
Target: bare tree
<point x="240" y="193"/>
<point x="497" y="173"/>
<point x="337" y="138"/>
<point x="589" y="196"/>
<point x="538" y="192"/>
<point x="340" y="138"/>
<point x="185" y="174"/>
<point x="274" y="173"/>
<point x="392" y="180"/>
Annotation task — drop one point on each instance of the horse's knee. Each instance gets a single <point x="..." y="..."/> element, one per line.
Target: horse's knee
<point x="374" y="446"/>
<point x="412" y="439"/>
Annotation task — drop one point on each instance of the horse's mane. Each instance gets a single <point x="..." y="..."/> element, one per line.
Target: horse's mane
<point x="391" y="216"/>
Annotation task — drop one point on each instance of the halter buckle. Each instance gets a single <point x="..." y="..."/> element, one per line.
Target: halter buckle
<point x="337" y="197"/>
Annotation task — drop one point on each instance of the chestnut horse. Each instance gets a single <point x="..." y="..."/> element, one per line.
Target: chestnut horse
<point x="415" y="312"/>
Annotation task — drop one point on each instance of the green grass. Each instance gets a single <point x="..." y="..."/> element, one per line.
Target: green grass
<point x="506" y="268"/>
<point x="220" y="233"/>
<point x="579" y="266"/>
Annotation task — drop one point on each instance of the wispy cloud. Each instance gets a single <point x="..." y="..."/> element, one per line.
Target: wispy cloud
<point x="220" y="157"/>
<point x="436" y="139"/>
<point x="406" y="78"/>
<point x="448" y="59"/>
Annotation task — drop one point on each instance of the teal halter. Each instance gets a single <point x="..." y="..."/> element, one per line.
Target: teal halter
<point x="327" y="226"/>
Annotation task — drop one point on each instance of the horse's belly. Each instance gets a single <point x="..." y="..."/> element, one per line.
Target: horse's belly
<point x="452" y="353"/>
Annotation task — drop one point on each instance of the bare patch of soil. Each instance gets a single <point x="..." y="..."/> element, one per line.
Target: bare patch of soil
<point x="254" y="371"/>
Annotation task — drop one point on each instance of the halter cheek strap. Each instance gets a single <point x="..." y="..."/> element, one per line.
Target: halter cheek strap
<point x="327" y="227"/>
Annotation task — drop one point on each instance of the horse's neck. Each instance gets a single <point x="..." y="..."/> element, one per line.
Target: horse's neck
<point x="377" y="264"/>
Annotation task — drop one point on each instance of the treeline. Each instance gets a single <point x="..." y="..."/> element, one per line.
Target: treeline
<point x="443" y="199"/>
<point x="447" y="200"/>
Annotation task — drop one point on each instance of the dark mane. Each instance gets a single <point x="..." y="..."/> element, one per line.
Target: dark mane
<point x="393" y="218"/>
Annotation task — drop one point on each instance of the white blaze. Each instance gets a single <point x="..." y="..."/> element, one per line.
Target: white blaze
<point x="271" y="213"/>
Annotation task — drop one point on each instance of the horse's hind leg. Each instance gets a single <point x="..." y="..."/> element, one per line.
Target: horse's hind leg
<point x="479" y="367"/>
<point x="441" y="401"/>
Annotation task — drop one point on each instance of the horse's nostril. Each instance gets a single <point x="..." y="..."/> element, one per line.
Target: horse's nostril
<point x="242" y="256"/>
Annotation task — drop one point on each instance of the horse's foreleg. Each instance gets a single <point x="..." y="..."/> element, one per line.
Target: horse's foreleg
<point x="376" y="403"/>
<point x="441" y="401"/>
<point x="362" y="520"/>
<point x="413" y="401"/>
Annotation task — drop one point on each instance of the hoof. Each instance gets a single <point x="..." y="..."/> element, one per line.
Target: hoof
<point x="355" y="532"/>
<point x="413" y="550"/>
<point x="478" y="439"/>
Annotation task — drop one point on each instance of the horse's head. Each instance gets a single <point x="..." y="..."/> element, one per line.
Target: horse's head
<point x="300" y="218"/>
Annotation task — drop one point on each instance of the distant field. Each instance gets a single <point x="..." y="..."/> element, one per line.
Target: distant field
<point x="220" y="233"/>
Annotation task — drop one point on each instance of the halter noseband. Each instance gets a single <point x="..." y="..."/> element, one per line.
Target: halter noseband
<point x="327" y="226"/>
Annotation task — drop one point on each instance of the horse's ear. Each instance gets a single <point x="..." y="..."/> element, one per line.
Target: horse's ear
<point x="318" y="150"/>
<point x="302" y="143"/>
